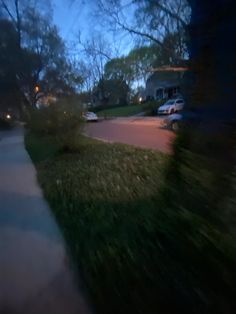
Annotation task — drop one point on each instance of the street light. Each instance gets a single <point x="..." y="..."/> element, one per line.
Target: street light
<point x="36" y="89"/>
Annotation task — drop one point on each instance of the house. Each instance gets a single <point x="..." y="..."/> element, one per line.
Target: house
<point x="163" y="84"/>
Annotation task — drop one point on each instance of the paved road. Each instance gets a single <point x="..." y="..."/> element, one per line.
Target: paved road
<point x="143" y="132"/>
<point x="35" y="276"/>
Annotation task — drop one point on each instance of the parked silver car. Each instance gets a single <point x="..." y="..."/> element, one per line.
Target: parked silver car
<point x="177" y="120"/>
<point x="90" y="116"/>
<point x="171" y="106"/>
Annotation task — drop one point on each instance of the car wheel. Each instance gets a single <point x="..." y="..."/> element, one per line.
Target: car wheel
<point x="172" y="111"/>
<point x="175" y="126"/>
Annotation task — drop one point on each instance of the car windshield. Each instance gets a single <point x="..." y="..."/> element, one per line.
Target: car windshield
<point x="170" y="102"/>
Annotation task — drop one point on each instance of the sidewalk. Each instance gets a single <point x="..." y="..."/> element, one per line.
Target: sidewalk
<point x="35" y="276"/>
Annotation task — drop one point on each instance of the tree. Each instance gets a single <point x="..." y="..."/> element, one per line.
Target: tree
<point x="203" y="163"/>
<point x="143" y="59"/>
<point x="120" y="69"/>
<point x="153" y="20"/>
<point x="97" y="53"/>
<point x="61" y="80"/>
<point x="43" y="67"/>
<point x="15" y="11"/>
<point x="112" y="92"/>
<point x="9" y="65"/>
<point x="12" y="10"/>
<point x="136" y="66"/>
<point x="87" y="76"/>
<point x="46" y="50"/>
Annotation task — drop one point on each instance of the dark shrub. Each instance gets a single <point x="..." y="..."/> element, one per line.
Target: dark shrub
<point x="152" y="106"/>
<point x="4" y="124"/>
<point x="61" y="120"/>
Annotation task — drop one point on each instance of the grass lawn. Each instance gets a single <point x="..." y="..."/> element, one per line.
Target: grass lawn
<point x="123" y="111"/>
<point x="134" y="254"/>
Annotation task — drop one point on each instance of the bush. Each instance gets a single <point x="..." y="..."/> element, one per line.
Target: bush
<point x="151" y="107"/>
<point x="61" y="120"/>
<point x="4" y="125"/>
<point x="53" y="120"/>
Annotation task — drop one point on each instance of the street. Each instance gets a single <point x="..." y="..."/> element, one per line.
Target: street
<point x="144" y="132"/>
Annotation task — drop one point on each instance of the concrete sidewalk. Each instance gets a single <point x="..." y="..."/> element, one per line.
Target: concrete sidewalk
<point x="35" y="273"/>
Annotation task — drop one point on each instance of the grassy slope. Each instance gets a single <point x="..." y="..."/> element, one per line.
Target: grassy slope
<point x="135" y="255"/>
<point x="121" y="111"/>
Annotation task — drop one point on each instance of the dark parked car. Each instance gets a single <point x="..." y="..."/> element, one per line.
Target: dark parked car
<point x="176" y="120"/>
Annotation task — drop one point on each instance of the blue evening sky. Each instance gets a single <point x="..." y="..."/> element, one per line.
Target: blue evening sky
<point x="76" y="16"/>
<point x="71" y="17"/>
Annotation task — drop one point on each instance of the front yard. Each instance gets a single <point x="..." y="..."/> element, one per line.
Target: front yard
<point x="135" y="255"/>
<point x="122" y="111"/>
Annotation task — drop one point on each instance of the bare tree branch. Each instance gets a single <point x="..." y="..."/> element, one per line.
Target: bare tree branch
<point x="172" y="14"/>
<point x="15" y="20"/>
<point x="18" y="20"/>
<point x="155" y="20"/>
<point x="140" y="33"/>
<point x="8" y="11"/>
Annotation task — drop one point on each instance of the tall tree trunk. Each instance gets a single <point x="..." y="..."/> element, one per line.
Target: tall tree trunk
<point x="18" y="22"/>
<point x="201" y="180"/>
<point x="210" y="90"/>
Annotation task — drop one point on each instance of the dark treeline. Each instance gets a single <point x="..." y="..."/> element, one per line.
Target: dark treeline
<point x="34" y="61"/>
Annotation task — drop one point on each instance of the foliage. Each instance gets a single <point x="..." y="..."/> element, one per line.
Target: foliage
<point x="112" y="91"/>
<point x="163" y="19"/>
<point x="136" y="254"/>
<point x="96" y="51"/>
<point x="9" y="65"/>
<point x="119" y="69"/>
<point x="4" y="124"/>
<point x="151" y="21"/>
<point x="151" y="107"/>
<point x="53" y="72"/>
<point x="136" y="65"/>
<point x="35" y="55"/>
<point x="143" y="59"/>
<point x="61" y="120"/>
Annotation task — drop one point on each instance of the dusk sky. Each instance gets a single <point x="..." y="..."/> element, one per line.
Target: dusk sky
<point x="73" y="17"/>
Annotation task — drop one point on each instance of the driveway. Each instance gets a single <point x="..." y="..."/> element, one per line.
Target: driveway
<point x="144" y="132"/>
<point x="35" y="272"/>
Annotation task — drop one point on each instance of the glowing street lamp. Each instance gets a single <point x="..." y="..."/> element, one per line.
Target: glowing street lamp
<point x="36" y="88"/>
